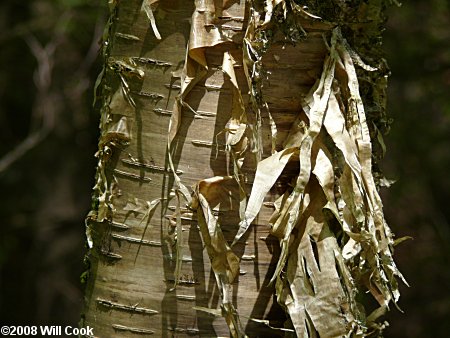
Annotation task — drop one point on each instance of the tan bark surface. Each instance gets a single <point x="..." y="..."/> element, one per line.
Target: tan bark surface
<point x="172" y="261"/>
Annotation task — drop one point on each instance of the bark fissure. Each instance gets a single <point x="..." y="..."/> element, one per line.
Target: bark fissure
<point x="130" y="308"/>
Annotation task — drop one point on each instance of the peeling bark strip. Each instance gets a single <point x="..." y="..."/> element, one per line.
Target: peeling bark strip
<point x="277" y="127"/>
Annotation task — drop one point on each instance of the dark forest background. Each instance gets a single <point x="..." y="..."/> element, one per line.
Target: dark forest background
<point x="48" y="137"/>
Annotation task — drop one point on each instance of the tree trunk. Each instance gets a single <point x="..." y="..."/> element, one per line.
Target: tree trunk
<point x="220" y="114"/>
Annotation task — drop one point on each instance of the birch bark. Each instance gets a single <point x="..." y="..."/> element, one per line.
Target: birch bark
<point x="236" y="151"/>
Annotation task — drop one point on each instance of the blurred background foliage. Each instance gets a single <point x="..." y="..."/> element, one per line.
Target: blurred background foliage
<point x="48" y="132"/>
<point x="417" y="42"/>
<point x="48" y="136"/>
